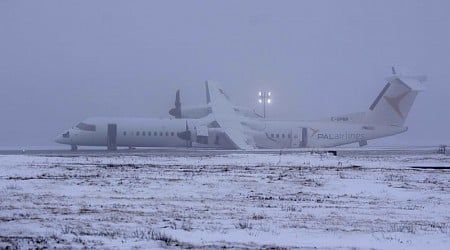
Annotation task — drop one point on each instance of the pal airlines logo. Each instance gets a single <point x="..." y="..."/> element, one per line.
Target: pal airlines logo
<point x="395" y="102"/>
<point x="314" y="132"/>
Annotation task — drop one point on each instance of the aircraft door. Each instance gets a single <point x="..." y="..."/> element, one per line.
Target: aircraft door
<point x="296" y="137"/>
<point x="111" y="138"/>
<point x="304" y="137"/>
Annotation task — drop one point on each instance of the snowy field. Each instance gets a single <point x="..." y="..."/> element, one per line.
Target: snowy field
<point x="237" y="200"/>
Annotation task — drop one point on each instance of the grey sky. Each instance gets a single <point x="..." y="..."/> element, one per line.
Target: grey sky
<point x="63" y="61"/>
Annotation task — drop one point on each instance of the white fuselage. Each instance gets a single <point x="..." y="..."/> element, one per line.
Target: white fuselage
<point x="131" y="132"/>
<point x="148" y="132"/>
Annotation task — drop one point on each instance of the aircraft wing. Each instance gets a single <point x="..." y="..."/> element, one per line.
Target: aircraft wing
<point x="226" y="117"/>
<point x="236" y="134"/>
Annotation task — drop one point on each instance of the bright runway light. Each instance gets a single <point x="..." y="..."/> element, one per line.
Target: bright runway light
<point x="269" y="101"/>
<point x="260" y="100"/>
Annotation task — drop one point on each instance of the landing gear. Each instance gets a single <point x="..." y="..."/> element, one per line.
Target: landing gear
<point x="73" y="148"/>
<point x="362" y="143"/>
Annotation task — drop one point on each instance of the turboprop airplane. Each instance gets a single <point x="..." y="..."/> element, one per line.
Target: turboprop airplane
<point x="220" y="124"/>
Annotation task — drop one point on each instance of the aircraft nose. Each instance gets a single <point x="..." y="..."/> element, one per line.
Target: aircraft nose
<point x="63" y="138"/>
<point x="58" y="139"/>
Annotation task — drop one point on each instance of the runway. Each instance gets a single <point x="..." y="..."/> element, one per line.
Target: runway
<point x="341" y="151"/>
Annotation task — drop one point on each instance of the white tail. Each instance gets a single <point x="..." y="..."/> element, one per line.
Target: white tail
<point x="392" y="105"/>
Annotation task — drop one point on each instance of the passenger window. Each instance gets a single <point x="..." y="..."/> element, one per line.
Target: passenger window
<point x="149" y="133"/>
<point x="124" y="133"/>
<point x="143" y="133"/>
<point x="160" y="133"/>
<point x="167" y="133"/>
<point x="278" y="135"/>
<point x="282" y="136"/>
<point x="155" y="133"/>
<point x="289" y="136"/>
<point x="137" y="133"/>
<point x="272" y="135"/>
<point x="172" y="133"/>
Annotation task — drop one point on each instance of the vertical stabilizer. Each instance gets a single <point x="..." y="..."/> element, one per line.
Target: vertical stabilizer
<point x="392" y="105"/>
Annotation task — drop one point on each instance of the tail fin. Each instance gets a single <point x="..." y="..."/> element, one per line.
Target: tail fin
<point x="392" y="105"/>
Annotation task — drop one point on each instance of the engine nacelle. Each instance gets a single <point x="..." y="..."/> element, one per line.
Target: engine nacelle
<point x="195" y="112"/>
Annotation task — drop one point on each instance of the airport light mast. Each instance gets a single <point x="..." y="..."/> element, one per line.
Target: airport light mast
<point x="265" y="97"/>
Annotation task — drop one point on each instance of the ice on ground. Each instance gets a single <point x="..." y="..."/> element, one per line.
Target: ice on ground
<point x="294" y="200"/>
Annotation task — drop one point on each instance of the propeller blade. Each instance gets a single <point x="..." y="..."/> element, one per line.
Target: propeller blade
<point x="186" y="135"/>
<point x="177" y="100"/>
<point x="176" y="112"/>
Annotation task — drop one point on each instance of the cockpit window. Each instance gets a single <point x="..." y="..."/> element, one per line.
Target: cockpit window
<point x="66" y="135"/>
<point x="86" y="127"/>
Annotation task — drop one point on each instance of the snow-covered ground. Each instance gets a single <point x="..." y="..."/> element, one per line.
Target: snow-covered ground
<point x="294" y="200"/>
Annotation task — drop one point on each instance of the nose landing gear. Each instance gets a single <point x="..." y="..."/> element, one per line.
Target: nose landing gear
<point x="73" y="147"/>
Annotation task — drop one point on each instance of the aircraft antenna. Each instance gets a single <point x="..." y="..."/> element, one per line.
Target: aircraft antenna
<point x="393" y="71"/>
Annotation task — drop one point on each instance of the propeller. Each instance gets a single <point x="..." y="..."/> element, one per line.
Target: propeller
<point x="208" y="96"/>
<point x="176" y="112"/>
<point x="186" y="135"/>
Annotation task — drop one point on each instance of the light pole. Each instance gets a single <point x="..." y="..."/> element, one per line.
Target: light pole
<point x="265" y="97"/>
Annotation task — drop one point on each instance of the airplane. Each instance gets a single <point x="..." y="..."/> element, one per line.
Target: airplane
<point x="220" y="124"/>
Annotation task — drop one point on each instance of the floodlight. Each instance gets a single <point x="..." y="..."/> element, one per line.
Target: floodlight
<point x="264" y="97"/>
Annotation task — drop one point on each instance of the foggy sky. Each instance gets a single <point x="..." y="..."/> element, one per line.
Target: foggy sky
<point x="64" y="61"/>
